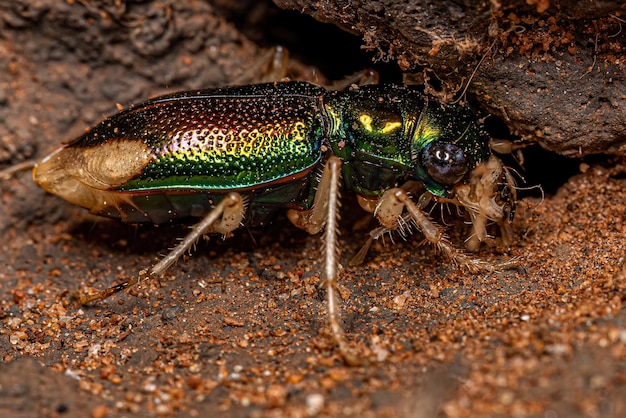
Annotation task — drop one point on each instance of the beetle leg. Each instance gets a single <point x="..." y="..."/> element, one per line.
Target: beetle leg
<point x="271" y="67"/>
<point x="9" y="172"/>
<point x="325" y="214"/>
<point x="360" y="78"/>
<point x="399" y="224"/>
<point x="314" y="219"/>
<point x="389" y="211"/>
<point x="225" y="217"/>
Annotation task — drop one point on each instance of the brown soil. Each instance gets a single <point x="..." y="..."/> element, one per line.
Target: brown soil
<point x="238" y="329"/>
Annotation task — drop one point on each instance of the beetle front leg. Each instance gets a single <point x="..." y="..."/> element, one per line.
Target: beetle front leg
<point x="224" y="218"/>
<point x="390" y="209"/>
<point x="325" y="214"/>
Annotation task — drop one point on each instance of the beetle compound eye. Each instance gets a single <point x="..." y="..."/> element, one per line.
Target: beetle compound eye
<point x="444" y="162"/>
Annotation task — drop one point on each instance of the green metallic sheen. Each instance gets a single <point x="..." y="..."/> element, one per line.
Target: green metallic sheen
<point x="268" y="141"/>
<point x="379" y="132"/>
<point x="223" y="139"/>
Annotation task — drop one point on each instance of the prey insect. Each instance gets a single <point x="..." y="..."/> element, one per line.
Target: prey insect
<point x="236" y="156"/>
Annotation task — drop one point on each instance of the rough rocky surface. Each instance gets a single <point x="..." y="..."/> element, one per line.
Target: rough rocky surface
<point x="239" y="327"/>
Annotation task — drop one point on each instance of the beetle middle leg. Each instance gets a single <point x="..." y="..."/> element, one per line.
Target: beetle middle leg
<point x="325" y="215"/>
<point x="224" y="218"/>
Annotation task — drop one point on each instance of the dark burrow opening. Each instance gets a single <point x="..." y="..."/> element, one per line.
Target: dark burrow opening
<point x="537" y="171"/>
<point x="546" y="169"/>
<point x="334" y="51"/>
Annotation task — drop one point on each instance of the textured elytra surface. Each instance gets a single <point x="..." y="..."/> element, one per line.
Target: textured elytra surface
<point x="238" y="329"/>
<point x="219" y="139"/>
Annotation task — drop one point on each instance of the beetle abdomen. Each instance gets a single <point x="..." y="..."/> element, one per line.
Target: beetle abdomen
<point x="209" y="141"/>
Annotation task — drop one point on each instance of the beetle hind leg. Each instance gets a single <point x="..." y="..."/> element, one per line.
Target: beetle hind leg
<point x="224" y="218"/>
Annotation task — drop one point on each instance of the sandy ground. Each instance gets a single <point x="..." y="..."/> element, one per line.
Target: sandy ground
<point x="239" y="327"/>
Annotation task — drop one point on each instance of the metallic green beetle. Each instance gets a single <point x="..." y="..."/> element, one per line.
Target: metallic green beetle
<point x="235" y="156"/>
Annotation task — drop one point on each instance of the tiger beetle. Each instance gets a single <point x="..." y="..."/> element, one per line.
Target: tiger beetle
<point x="236" y="156"/>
